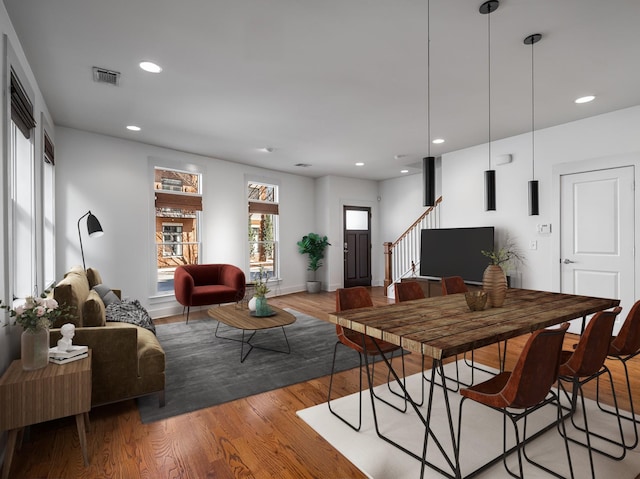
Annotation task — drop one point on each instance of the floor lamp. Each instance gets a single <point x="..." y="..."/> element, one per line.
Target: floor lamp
<point x="94" y="228"/>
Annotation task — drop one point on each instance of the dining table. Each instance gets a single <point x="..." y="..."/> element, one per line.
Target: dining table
<point x="443" y="326"/>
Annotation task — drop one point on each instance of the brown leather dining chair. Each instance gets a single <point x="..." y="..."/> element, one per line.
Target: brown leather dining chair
<point x="584" y="364"/>
<point x="524" y="390"/>
<point x="408" y="291"/>
<point x="453" y="285"/>
<point x="353" y="298"/>
<point x="624" y="347"/>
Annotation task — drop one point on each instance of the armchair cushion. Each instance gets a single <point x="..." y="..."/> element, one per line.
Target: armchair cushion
<point x="93" y="310"/>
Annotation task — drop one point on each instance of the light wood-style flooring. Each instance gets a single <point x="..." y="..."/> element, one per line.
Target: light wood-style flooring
<point x="255" y="437"/>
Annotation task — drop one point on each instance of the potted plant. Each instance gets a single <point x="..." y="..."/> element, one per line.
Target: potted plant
<point x="494" y="280"/>
<point x="314" y="245"/>
<point x="258" y="303"/>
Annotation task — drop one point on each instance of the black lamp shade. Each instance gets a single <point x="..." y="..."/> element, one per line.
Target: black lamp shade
<point x="533" y="198"/>
<point x="429" y="180"/>
<point x="490" y="190"/>
<point x="93" y="226"/>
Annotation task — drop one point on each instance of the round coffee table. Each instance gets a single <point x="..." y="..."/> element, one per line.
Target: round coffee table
<point x="241" y="319"/>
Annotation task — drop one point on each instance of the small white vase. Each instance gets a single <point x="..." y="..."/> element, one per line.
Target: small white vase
<point x="252" y="304"/>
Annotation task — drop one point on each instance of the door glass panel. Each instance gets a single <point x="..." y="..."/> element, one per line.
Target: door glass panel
<point x="357" y="220"/>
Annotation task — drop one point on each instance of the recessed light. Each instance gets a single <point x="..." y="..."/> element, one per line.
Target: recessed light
<point x="359" y="163"/>
<point x="266" y="149"/>
<point x="398" y="157"/>
<point x="585" y="99"/>
<point x="437" y="141"/>
<point x="133" y="128"/>
<point x="404" y="171"/>
<point x="150" y="67"/>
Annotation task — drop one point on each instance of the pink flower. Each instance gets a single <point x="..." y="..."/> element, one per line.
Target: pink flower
<point x="40" y="311"/>
<point x="20" y="310"/>
<point x="50" y="303"/>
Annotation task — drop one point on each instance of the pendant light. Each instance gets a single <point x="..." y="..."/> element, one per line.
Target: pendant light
<point x="489" y="175"/>
<point x="533" y="183"/>
<point x="429" y="163"/>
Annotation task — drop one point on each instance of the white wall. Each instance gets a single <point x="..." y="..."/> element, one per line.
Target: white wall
<point x="598" y="142"/>
<point x="113" y="178"/>
<point x="333" y="193"/>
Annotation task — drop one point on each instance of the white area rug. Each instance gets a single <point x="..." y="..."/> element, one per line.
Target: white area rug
<point x="481" y="437"/>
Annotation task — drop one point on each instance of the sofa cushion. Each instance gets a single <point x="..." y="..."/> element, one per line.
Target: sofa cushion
<point x="93" y="276"/>
<point x="93" y="311"/>
<point x="106" y="294"/>
<point x="72" y="291"/>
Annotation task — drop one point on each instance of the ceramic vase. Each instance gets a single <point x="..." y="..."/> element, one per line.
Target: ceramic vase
<point x="262" y="308"/>
<point x="34" y="348"/>
<point x="252" y="304"/>
<point x="494" y="283"/>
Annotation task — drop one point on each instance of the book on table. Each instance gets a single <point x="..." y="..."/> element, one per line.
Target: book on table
<point x="72" y="352"/>
<point x="57" y="360"/>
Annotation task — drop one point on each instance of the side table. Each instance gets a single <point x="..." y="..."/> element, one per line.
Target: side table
<point x="32" y="397"/>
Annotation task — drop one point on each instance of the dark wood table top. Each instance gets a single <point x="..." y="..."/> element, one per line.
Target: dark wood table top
<point x="444" y="326"/>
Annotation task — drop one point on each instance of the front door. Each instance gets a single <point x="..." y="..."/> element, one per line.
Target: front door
<point x="597" y="236"/>
<point x="357" y="246"/>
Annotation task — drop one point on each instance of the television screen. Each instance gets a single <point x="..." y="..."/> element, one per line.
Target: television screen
<point x="455" y="252"/>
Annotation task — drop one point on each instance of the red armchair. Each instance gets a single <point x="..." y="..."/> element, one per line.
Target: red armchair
<point x="204" y="284"/>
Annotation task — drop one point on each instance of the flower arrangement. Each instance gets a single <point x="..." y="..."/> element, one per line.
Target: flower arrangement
<point x="260" y="285"/>
<point x="505" y="255"/>
<point x="36" y="312"/>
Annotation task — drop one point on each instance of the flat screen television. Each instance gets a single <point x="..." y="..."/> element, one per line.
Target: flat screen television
<point x="455" y="252"/>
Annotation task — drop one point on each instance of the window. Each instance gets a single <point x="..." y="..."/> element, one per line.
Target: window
<point x="263" y="228"/>
<point x="172" y="240"/>
<point x="48" y="211"/>
<point x="23" y="189"/>
<point x="178" y="203"/>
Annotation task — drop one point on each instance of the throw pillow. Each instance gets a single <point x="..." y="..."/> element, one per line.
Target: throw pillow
<point x="93" y="311"/>
<point x="108" y="297"/>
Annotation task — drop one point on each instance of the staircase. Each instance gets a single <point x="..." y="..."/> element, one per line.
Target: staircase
<point x="402" y="257"/>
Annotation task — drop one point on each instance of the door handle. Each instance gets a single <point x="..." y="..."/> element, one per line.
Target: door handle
<point x="568" y="261"/>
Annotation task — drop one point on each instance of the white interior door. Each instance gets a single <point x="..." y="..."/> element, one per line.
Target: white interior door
<point x="597" y="236"/>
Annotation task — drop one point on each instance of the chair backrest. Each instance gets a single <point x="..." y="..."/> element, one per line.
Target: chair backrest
<point x="453" y="285"/>
<point x="628" y="339"/>
<point x="408" y="290"/>
<point x="353" y="298"/>
<point x="536" y="370"/>
<point x="591" y="351"/>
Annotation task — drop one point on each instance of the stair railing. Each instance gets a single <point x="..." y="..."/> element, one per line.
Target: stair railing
<point x="402" y="257"/>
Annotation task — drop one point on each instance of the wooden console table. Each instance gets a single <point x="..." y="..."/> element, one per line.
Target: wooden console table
<point x="32" y="397"/>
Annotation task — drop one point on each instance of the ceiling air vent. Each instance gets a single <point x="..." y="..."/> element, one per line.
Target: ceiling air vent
<point x="102" y="75"/>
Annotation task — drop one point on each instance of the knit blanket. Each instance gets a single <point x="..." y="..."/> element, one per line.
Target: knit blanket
<point x="132" y="312"/>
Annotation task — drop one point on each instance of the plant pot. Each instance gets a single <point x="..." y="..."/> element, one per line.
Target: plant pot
<point x="313" y="286"/>
<point x="494" y="283"/>
<point x="34" y="348"/>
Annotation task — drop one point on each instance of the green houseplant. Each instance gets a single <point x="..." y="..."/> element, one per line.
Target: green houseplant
<point x="313" y="245"/>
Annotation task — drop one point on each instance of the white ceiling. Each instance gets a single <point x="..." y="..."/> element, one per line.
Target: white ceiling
<point x="327" y="82"/>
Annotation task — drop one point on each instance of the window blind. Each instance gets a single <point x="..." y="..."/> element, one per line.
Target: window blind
<point x="49" y="156"/>
<point x="178" y="201"/>
<point x="263" y="208"/>
<point x="21" y="107"/>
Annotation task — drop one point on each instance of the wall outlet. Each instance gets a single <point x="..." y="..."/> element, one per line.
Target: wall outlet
<point x="533" y="244"/>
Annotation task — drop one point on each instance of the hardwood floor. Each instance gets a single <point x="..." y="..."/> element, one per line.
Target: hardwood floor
<point x="255" y="437"/>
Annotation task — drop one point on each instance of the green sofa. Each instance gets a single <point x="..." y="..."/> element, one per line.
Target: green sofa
<point x="127" y="360"/>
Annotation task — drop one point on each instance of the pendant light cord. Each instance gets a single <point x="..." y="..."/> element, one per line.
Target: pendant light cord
<point x="428" y="78"/>
<point x="489" y="70"/>
<point x="533" y="155"/>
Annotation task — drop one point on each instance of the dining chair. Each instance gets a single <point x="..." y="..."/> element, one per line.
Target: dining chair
<point x="354" y="298"/>
<point x="453" y="285"/>
<point x="584" y="364"/>
<point x="408" y="291"/>
<point x="624" y="347"/>
<point x="524" y="390"/>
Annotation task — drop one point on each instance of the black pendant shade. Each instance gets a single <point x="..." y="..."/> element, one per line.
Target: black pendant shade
<point x="490" y="190"/>
<point x="533" y="198"/>
<point x="429" y="180"/>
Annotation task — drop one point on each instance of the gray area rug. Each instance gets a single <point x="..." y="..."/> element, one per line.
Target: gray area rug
<point x="202" y="370"/>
